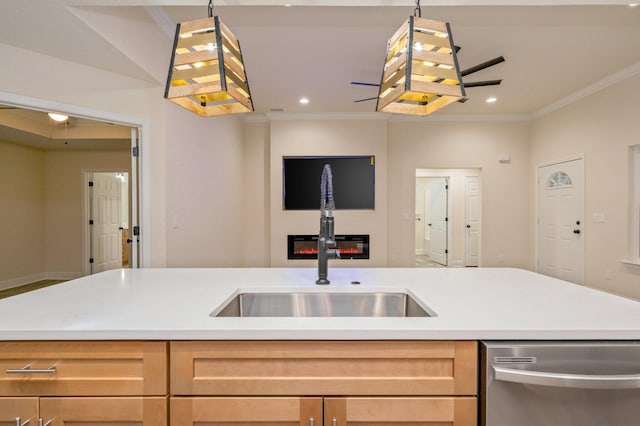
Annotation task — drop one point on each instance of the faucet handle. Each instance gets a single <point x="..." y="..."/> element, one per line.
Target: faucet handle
<point x="334" y="253"/>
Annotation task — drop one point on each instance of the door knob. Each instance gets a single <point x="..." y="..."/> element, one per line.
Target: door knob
<point x="576" y="231"/>
<point x="468" y="226"/>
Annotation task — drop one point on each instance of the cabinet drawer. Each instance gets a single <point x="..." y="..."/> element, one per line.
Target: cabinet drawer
<point x="324" y="368"/>
<point x="83" y="368"/>
<point x="441" y="411"/>
<point x="130" y="411"/>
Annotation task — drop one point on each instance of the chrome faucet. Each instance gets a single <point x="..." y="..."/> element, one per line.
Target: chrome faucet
<point x="326" y="239"/>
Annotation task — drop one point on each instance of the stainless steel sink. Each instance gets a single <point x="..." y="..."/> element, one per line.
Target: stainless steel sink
<point x="322" y="304"/>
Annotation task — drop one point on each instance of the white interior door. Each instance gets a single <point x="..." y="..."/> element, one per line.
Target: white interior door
<point x="472" y="218"/>
<point x="560" y="233"/>
<point x="107" y="220"/>
<point x="438" y="219"/>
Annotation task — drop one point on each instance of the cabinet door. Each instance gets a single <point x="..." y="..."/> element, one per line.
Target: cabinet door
<point x="440" y="411"/>
<point x="132" y="411"/>
<point x="250" y="411"/>
<point x="18" y="410"/>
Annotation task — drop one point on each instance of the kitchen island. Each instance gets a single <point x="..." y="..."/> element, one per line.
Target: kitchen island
<point x="175" y="304"/>
<point x="142" y="346"/>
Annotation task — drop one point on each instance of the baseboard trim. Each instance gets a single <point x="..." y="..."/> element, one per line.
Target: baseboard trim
<point x="62" y="275"/>
<point x="28" y="279"/>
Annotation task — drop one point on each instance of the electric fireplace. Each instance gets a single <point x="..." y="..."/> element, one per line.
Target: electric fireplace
<point x="306" y="246"/>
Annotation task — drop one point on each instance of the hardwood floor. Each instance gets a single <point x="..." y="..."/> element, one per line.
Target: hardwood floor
<point x="423" y="261"/>
<point x="28" y="287"/>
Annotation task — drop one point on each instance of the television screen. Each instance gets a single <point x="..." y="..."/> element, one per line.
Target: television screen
<point x="353" y="182"/>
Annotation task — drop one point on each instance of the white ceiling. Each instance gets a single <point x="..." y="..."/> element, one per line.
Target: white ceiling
<point x="553" y="49"/>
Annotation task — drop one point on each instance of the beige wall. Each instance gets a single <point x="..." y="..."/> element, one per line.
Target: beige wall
<point x="329" y="137"/>
<point x="64" y="205"/>
<point x="257" y="211"/>
<point x="205" y="197"/>
<point x="602" y="131"/>
<point x="21" y="213"/>
<point x="506" y="206"/>
<point x="43" y="202"/>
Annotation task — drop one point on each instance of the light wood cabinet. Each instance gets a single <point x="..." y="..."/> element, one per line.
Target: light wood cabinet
<point x="243" y="411"/>
<point x="132" y="411"/>
<point x="239" y="383"/>
<point x="432" y="411"/>
<point x="82" y="383"/>
<point x="379" y="383"/>
<point x="100" y="368"/>
<point x="323" y="368"/>
<point x="18" y="410"/>
<point x="329" y="411"/>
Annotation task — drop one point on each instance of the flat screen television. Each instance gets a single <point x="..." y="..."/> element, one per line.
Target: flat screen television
<point x="353" y="182"/>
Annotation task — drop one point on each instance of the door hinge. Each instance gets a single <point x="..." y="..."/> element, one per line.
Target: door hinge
<point x="134" y="151"/>
<point x="90" y="221"/>
<point x="136" y="230"/>
<point x="446" y="219"/>
<point x="446" y="252"/>
<point x="90" y="184"/>
<point x="446" y="187"/>
<point x="91" y="260"/>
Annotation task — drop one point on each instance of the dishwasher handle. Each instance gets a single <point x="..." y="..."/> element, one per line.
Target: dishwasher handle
<point x="566" y="380"/>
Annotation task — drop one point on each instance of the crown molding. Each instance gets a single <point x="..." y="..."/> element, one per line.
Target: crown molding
<point x="622" y="75"/>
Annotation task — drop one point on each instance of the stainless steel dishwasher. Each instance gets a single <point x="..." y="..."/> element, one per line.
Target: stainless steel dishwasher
<point x="560" y="383"/>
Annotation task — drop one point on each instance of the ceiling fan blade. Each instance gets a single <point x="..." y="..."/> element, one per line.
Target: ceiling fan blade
<point x="481" y="83"/>
<point x="366" y="99"/>
<point x="482" y="66"/>
<point x="359" y="83"/>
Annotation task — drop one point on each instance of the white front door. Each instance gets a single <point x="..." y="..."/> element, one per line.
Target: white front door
<point x="438" y="219"/>
<point x="561" y="220"/>
<point x="472" y="219"/>
<point x="107" y="221"/>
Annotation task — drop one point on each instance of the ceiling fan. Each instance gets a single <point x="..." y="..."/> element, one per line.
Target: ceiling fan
<point x="463" y="73"/>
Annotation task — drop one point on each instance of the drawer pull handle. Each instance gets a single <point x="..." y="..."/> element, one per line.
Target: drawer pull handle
<point x="334" y="422"/>
<point x="41" y="422"/>
<point x="312" y="422"/>
<point x="19" y="422"/>
<point x="29" y="370"/>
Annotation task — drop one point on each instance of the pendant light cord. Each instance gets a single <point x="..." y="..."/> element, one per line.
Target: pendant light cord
<point x="210" y="8"/>
<point x="417" y="11"/>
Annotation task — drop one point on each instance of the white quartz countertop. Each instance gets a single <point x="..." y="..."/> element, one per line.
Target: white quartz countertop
<point x="174" y="304"/>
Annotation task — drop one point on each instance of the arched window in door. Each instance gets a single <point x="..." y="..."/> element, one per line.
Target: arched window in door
<point x="558" y="179"/>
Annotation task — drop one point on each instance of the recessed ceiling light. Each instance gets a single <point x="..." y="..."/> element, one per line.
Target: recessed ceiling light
<point x="304" y="101"/>
<point x="60" y="118"/>
<point x="491" y="100"/>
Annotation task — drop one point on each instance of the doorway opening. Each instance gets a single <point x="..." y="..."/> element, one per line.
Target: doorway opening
<point x="447" y="218"/>
<point x="107" y="200"/>
<point x="52" y="160"/>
